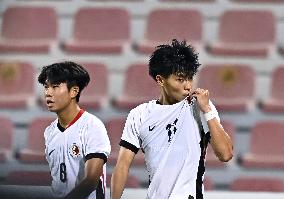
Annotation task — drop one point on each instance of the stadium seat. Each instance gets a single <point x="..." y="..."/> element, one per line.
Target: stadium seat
<point x="132" y="181"/>
<point x="211" y="159"/>
<point x="34" y="150"/>
<point x="266" y="146"/>
<point x="186" y="23"/>
<point x="6" y="134"/>
<point x="208" y="184"/>
<point x="138" y="87"/>
<point x="37" y="178"/>
<point x="16" y="85"/>
<point x="281" y="48"/>
<point x="28" y="29"/>
<point x="191" y="1"/>
<point x="259" y="1"/>
<point x="263" y="184"/>
<point x="114" y="128"/>
<point x="99" y="30"/>
<point x="95" y="95"/>
<point x="245" y="33"/>
<point x="231" y="86"/>
<point x="274" y="103"/>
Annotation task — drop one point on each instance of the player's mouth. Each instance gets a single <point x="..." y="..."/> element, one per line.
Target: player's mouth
<point x="49" y="102"/>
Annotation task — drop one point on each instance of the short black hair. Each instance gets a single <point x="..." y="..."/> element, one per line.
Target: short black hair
<point x="179" y="58"/>
<point x="65" y="72"/>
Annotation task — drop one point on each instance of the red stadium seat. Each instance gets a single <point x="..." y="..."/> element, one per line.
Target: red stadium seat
<point x="260" y="1"/>
<point x="208" y="184"/>
<point x="28" y="29"/>
<point x="37" y="178"/>
<point x="281" y="49"/>
<point x="275" y="102"/>
<point x="231" y="86"/>
<point x="114" y="128"/>
<point x="16" y="85"/>
<point x="266" y="146"/>
<point x="95" y="95"/>
<point x="6" y="134"/>
<point x="245" y="33"/>
<point x="263" y="184"/>
<point x="191" y="1"/>
<point x="163" y="25"/>
<point x="211" y="159"/>
<point x="138" y="87"/>
<point x="132" y="181"/>
<point x="34" y="151"/>
<point x="100" y="30"/>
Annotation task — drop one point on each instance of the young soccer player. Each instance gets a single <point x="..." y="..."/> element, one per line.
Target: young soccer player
<point x="172" y="131"/>
<point x="77" y="144"/>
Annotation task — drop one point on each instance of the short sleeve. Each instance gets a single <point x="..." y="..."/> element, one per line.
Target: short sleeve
<point x="130" y="135"/>
<point x="203" y="120"/>
<point x="96" y="140"/>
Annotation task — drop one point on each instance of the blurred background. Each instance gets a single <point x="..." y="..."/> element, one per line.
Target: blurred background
<point x="241" y="49"/>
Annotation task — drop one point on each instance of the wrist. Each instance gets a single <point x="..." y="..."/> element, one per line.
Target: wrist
<point x="206" y="109"/>
<point x="210" y="115"/>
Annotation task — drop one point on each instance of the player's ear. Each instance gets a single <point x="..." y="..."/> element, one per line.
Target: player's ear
<point x="74" y="91"/>
<point x="160" y="80"/>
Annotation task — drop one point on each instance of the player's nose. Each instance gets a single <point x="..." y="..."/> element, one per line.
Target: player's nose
<point x="188" y="85"/>
<point x="48" y="92"/>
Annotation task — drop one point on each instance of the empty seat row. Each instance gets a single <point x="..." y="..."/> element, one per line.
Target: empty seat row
<point x="176" y="1"/>
<point x="257" y="183"/>
<point x="231" y="86"/>
<point x="107" y="30"/>
<point x="266" y="147"/>
<point x="254" y="183"/>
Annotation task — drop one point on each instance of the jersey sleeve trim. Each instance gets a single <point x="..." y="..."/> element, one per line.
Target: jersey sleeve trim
<point x="129" y="146"/>
<point x="96" y="155"/>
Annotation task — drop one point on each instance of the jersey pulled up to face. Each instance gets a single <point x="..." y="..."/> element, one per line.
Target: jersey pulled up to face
<point x="171" y="139"/>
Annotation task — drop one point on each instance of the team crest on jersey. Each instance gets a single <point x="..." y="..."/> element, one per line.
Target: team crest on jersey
<point x="74" y="150"/>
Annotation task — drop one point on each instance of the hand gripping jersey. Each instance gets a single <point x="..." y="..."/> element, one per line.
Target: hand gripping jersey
<point x="68" y="149"/>
<point x="174" y="141"/>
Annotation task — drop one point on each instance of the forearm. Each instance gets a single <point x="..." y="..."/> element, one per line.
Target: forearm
<point x="220" y="141"/>
<point x="83" y="189"/>
<point x="118" y="181"/>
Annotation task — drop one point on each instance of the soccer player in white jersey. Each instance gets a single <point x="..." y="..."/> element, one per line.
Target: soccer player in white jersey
<point x="172" y="131"/>
<point x="77" y="144"/>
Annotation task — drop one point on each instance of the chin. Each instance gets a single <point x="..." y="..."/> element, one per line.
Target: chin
<point x="51" y="109"/>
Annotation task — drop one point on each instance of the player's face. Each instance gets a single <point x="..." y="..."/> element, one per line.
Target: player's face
<point x="175" y="88"/>
<point x="57" y="96"/>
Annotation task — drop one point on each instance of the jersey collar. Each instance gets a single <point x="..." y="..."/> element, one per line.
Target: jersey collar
<point x="72" y="122"/>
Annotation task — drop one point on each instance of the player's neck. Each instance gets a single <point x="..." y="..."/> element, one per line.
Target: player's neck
<point x="66" y="116"/>
<point x="166" y="100"/>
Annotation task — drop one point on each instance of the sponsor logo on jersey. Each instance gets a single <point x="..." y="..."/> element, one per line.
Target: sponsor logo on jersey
<point x="75" y="150"/>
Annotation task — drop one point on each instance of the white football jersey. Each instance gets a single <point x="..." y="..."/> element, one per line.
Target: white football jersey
<point x="68" y="149"/>
<point x="170" y="137"/>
